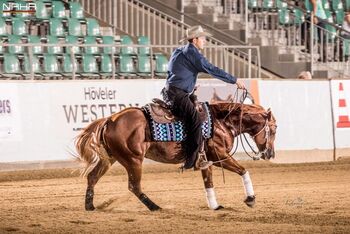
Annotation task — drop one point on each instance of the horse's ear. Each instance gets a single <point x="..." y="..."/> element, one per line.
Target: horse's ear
<point x="268" y="115"/>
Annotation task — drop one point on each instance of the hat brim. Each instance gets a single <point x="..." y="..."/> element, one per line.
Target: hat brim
<point x="200" y="34"/>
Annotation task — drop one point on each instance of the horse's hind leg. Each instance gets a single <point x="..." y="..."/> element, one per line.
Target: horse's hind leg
<point x="92" y="178"/>
<point x="207" y="176"/>
<point x="134" y="170"/>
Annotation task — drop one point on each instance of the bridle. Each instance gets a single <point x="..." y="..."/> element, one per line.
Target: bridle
<point x="258" y="154"/>
<point x="266" y="128"/>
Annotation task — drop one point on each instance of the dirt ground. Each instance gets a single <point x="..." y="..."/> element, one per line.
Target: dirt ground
<point x="291" y="198"/>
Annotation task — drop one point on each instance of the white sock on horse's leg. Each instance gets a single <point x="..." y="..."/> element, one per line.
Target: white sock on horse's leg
<point x="248" y="186"/>
<point x="211" y="198"/>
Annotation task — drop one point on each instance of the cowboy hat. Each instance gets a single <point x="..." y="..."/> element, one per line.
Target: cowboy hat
<point x="195" y="31"/>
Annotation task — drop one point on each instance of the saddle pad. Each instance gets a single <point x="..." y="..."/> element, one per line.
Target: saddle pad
<point x="175" y="131"/>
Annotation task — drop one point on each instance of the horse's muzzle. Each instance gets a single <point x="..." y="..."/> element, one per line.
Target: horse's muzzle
<point x="270" y="153"/>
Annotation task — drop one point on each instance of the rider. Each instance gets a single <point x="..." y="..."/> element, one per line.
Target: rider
<point x="184" y="65"/>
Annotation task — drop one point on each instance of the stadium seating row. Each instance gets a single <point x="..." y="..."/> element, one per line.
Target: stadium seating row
<point x="78" y="41"/>
<point x="88" y="65"/>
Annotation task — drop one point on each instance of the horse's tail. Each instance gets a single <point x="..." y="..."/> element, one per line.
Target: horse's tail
<point x="90" y="149"/>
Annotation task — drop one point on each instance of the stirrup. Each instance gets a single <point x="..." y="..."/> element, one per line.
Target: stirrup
<point x="203" y="165"/>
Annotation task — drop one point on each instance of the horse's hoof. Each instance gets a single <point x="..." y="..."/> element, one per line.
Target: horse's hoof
<point x="155" y="208"/>
<point x="220" y="207"/>
<point x="89" y="208"/>
<point x="250" y="201"/>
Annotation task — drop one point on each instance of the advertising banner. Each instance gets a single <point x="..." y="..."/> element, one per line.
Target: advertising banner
<point x="10" y="124"/>
<point x="54" y="112"/>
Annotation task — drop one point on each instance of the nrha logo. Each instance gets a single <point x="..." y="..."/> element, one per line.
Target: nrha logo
<point x="19" y="7"/>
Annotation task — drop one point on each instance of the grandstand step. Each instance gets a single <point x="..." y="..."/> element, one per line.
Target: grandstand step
<point x="271" y="60"/>
<point x="237" y="33"/>
<point x="201" y="9"/>
<point x="205" y="18"/>
<point x="224" y="25"/>
<point x="287" y="57"/>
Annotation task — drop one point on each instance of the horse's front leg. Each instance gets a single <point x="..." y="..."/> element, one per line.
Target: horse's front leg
<point x="232" y="165"/>
<point x="209" y="189"/>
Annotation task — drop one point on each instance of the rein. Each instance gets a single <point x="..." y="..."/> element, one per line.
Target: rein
<point x="266" y="127"/>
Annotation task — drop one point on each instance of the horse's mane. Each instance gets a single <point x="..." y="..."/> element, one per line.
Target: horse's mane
<point x="222" y="109"/>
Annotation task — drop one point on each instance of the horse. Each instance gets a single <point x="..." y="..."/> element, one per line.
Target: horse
<point x="125" y="137"/>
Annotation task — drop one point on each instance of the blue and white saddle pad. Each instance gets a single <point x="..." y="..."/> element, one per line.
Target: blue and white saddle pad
<point x="175" y="131"/>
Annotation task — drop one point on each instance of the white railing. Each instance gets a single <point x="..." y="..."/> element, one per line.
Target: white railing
<point x="136" y="19"/>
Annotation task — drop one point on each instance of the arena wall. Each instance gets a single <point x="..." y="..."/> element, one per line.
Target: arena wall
<point x="39" y="119"/>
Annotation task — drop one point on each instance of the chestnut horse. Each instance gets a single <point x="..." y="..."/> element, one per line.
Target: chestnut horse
<point x="125" y="137"/>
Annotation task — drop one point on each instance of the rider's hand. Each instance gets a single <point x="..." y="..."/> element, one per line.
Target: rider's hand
<point x="240" y="84"/>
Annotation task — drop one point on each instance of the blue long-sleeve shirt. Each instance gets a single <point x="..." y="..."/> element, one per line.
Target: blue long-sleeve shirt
<point x="184" y="65"/>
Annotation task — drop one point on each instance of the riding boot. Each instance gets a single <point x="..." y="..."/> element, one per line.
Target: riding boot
<point x="202" y="162"/>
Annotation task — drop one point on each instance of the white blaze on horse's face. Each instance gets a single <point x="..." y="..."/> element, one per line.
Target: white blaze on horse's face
<point x="265" y="137"/>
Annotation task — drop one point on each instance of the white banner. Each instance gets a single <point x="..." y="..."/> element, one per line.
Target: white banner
<point x="54" y="112"/>
<point x="10" y="124"/>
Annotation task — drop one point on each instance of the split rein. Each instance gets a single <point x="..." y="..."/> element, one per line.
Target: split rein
<point x="266" y="128"/>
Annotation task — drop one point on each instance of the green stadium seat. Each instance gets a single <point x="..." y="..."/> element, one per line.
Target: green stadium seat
<point x="93" y="28"/>
<point x="281" y="4"/>
<point x="339" y="17"/>
<point x="143" y="40"/>
<point x="90" y="66"/>
<point x="41" y="11"/>
<point x="34" y="64"/>
<point x="73" y="40"/>
<point x="14" y="39"/>
<point x="11" y="64"/>
<point x="91" y="49"/>
<point x="161" y="65"/>
<point x="330" y="33"/>
<point x="53" y="49"/>
<point x="108" y="40"/>
<point x="144" y="65"/>
<point x="126" y="40"/>
<point x="3" y="27"/>
<point x="326" y="5"/>
<point x="346" y="47"/>
<point x="2" y="48"/>
<point x="308" y="6"/>
<point x="126" y="65"/>
<point x="32" y="39"/>
<point x="58" y="9"/>
<point x="74" y="27"/>
<point x="68" y="65"/>
<point x="253" y="4"/>
<point x="51" y="65"/>
<point x="76" y="10"/>
<point x="299" y="17"/>
<point x="347" y="5"/>
<point x="337" y="5"/>
<point x="284" y="17"/>
<point x="106" y="64"/>
<point x="56" y="27"/>
<point x="19" y="27"/>
<point x="329" y="16"/>
<point x="268" y="5"/>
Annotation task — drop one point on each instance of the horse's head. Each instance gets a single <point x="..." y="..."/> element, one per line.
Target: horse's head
<point x="252" y="119"/>
<point x="262" y="129"/>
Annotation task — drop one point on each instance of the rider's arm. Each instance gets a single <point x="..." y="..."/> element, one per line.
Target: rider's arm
<point x="214" y="71"/>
